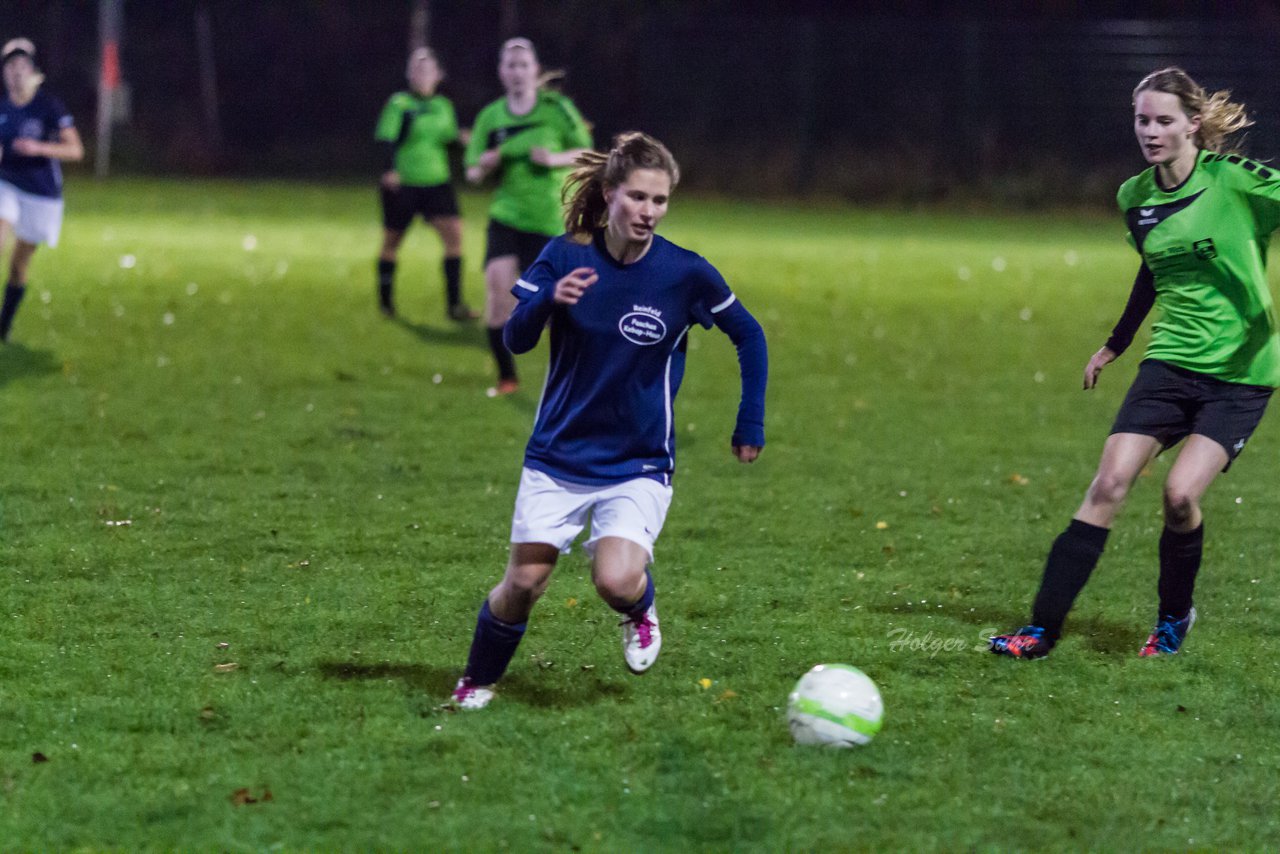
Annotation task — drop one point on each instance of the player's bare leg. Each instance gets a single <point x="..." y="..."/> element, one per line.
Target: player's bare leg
<point x="501" y="622"/>
<point x="621" y="576"/>
<point x="16" y="288"/>
<point x="500" y="276"/>
<point x="1076" y="551"/>
<point x="1182" y="542"/>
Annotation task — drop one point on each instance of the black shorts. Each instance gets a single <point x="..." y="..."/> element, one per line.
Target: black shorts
<point x="1170" y="403"/>
<point x="400" y="205"/>
<point x="505" y="240"/>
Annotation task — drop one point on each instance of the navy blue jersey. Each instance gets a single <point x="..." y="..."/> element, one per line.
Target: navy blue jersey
<point x="618" y="356"/>
<point x="42" y="118"/>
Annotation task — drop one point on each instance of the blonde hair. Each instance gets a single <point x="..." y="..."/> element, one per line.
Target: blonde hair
<point x="548" y="75"/>
<point x="585" y="207"/>
<point x="1220" y="117"/>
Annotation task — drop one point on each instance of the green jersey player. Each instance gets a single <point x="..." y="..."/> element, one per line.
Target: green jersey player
<point x="417" y="126"/>
<point x="529" y="137"/>
<point x="1201" y="220"/>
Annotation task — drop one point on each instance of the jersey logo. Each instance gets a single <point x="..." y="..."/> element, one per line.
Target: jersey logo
<point x="1204" y="249"/>
<point x="642" y="325"/>
<point x="1142" y="220"/>
<point x="501" y="135"/>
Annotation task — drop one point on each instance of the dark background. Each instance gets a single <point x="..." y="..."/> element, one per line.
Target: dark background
<point x="1018" y="103"/>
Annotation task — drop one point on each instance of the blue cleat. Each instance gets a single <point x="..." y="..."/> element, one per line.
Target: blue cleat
<point x="1026" y="643"/>
<point x="1168" y="635"/>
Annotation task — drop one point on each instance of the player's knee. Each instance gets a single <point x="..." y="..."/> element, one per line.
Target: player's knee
<point x="1108" y="488"/>
<point x="619" y="588"/>
<point x="524" y="587"/>
<point x="497" y="286"/>
<point x="1179" y="504"/>
<point x="451" y="237"/>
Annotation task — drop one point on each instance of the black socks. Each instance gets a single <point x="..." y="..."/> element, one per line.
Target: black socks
<point x="453" y="281"/>
<point x="387" y="276"/>
<point x="1179" y="563"/>
<point x="501" y="355"/>
<point x="1075" y="553"/>
<point x="1071" y="560"/>
<point x="13" y="295"/>
<point x="386" y="282"/>
<point x="492" y="647"/>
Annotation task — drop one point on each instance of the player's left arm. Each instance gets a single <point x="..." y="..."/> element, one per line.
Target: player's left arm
<point x="450" y="133"/>
<point x="554" y="159"/>
<point x="753" y="365"/>
<point x="719" y="306"/>
<point x="1260" y="185"/>
<point x="575" y="137"/>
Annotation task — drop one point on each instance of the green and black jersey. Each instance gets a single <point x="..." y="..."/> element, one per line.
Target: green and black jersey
<point x="528" y="195"/>
<point x="1205" y="244"/>
<point x="419" y="129"/>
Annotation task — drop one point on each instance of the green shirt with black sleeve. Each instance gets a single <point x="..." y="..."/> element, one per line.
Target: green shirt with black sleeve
<point x="419" y="130"/>
<point x="528" y="195"/>
<point x="1205" y="243"/>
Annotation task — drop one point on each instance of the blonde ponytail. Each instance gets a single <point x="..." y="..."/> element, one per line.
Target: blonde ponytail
<point x="1220" y="117"/>
<point x="585" y="207"/>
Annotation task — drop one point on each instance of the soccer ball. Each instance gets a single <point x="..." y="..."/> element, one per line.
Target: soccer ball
<point x="834" y="705"/>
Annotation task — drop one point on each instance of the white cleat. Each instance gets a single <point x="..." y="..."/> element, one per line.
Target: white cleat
<point x="471" y="697"/>
<point x="641" y="640"/>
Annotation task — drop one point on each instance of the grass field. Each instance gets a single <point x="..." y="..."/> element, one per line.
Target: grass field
<point x="217" y="453"/>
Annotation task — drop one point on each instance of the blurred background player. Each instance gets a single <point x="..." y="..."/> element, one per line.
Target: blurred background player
<point x="417" y="127"/>
<point x="36" y="133"/>
<point x="529" y="137"/>
<point x="1201" y="222"/>
<point x="619" y="302"/>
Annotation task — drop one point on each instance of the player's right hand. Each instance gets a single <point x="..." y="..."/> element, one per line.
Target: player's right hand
<point x="1100" y="360"/>
<point x="391" y="179"/>
<point x="28" y="147"/>
<point x="571" y="288"/>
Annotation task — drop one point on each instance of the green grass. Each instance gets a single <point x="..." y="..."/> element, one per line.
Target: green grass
<point x="328" y="494"/>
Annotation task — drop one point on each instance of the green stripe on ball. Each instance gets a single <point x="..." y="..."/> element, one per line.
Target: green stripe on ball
<point x="857" y="723"/>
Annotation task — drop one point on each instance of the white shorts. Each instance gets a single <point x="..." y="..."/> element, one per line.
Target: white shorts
<point x="555" y="511"/>
<point x="35" y="219"/>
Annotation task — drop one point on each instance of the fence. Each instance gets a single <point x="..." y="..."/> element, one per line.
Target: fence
<point x="1013" y="110"/>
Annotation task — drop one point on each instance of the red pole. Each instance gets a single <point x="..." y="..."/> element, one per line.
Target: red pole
<point x="109" y="24"/>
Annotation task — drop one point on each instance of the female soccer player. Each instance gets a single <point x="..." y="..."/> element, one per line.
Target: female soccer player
<point x="417" y="126"/>
<point x="530" y="136"/>
<point x="620" y="302"/>
<point x="36" y="132"/>
<point x="1200" y="218"/>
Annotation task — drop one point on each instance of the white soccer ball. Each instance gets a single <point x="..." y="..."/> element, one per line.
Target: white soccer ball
<point x="834" y="705"/>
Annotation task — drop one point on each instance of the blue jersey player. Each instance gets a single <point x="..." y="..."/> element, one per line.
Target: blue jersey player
<point x="36" y="132"/>
<point x="619" y="302"/>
